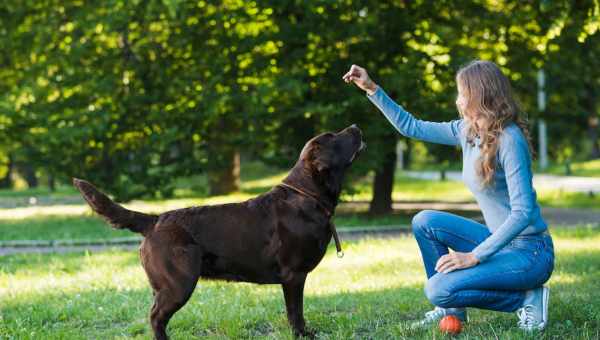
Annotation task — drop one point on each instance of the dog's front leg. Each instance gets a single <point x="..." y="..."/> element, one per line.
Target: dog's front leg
<point x="293" y="291"/>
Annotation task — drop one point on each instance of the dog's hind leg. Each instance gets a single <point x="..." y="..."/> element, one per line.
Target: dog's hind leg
<point x="167" y="301"/>
<point x="293" y="292"/>
<point x="171" y="273"/>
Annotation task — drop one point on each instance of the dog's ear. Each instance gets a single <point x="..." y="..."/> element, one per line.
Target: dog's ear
<point x="318" y="158"/>
<point x="327" y="177"/>
<point x="320" y="165"/>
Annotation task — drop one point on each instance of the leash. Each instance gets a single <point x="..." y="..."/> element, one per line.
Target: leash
<point x="338" y="245"/>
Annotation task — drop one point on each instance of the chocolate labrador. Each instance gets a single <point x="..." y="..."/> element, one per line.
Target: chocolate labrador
<point x="275" y="238"/>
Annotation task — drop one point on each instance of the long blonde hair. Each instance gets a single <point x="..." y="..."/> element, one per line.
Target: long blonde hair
<point x="490" y="99"/>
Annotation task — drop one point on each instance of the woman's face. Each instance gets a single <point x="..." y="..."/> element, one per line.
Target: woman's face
<point x="461" y="103"/>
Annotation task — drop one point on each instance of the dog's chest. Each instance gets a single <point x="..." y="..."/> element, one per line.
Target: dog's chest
<point x="302" y="247"/>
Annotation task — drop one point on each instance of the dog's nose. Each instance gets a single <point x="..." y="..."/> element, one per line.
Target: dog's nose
<point x="356" y="128"/>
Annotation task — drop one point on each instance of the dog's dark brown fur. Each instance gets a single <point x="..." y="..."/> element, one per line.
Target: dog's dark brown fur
<point x="277" y="237"/>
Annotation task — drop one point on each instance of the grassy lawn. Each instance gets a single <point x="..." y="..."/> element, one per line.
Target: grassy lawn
<point x="59" y="228"/>
<point x="373" y="292"/>
<point x="581" y="168"/>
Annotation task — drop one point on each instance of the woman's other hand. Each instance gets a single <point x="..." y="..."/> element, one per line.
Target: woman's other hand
<point x="361" y="78"/>
<point x="456" y="260"/>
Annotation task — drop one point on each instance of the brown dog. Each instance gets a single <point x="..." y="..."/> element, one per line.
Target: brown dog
<point x="277" y="237"/>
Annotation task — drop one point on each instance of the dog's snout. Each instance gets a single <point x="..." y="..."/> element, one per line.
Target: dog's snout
<point x="355" y="127"/>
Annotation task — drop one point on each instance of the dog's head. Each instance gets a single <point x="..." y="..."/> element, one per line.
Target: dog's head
<point x="328" y="155"/>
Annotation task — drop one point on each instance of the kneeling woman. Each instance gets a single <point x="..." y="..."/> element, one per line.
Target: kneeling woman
<point x="502" y="265"/>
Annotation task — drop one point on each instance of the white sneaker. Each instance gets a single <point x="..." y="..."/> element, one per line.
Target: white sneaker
<point x="437" y="314"/>
<point x="534" y="313"/>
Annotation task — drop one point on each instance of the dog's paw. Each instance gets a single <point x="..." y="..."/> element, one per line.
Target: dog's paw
<point x="305" y="333"/>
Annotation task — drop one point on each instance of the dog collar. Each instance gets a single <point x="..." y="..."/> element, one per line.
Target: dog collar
<point x="336" y="238"/>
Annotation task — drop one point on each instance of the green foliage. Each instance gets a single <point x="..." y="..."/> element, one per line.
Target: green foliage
<point x="134" y="94"/>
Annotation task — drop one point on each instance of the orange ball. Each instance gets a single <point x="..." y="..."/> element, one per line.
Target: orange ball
<point x="450" y="324"/>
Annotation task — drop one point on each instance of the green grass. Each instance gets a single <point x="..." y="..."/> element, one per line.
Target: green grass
<point x="61" y="191"/>
<point x="563" y="199"/>
<point x="580" y="168"/>
<point x="373" y="292"/>
<point x="412" y="189"/>
<point x="58" y="228"/>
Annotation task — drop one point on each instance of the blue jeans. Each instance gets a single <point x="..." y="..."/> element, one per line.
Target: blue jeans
<point x="499" y="283"/>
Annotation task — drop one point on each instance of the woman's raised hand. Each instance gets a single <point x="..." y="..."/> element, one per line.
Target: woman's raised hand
<point x="360" y="77"/>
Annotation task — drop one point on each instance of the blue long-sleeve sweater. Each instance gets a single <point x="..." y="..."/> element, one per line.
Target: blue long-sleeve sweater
<point x="509" y="204"/>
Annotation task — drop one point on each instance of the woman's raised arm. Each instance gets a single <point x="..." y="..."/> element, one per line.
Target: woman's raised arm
<point x="435" y="132"/>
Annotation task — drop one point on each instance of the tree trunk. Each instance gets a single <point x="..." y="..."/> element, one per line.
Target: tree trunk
<point x="384" y="183"/>
<point x="226" y="179"/>
<point x="408" y="155"/>
<point x="589" y="103"/>
<point x="443" y="174"/>
<point x="51" y="182"/>
<point x="6" y="181"/>
<point x="593" y="135"/>
<point x="29" y="175"/>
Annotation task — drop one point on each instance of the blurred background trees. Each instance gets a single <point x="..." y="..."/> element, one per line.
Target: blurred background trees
<point x="135" y="94"/>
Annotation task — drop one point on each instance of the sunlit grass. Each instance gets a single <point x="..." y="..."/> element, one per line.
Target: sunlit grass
<point x="581" y="168"/>
<point x="373" y="292"/>
<point x="412" y="189"/>
<point x="564" y="199"/>
<point x="61" y="191"/>
<point x="58" y="228"/>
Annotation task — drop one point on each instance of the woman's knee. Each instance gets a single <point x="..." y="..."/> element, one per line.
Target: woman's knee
<point x="437" y="292"/>
<point x="422" y="221"/>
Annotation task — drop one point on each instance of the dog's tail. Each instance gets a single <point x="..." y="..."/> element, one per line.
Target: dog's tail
<point x="112" y="212"/>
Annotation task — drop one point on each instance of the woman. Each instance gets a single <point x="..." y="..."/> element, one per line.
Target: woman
<point x="502" y="265"/>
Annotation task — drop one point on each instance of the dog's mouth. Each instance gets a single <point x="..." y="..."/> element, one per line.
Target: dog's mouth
<point x="362" y="146"/>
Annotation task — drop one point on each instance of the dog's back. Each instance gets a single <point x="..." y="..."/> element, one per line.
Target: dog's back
<point x="237" y="241"/>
